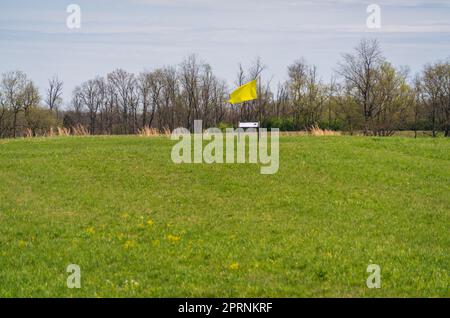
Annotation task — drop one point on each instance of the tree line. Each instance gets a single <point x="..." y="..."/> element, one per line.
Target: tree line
<point x="367" y="94"/>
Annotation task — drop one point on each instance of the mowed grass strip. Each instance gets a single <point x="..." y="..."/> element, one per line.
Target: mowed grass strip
<point x="140" y="226"/>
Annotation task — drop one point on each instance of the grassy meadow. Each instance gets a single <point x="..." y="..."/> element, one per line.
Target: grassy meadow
<point x="140" y="226"/>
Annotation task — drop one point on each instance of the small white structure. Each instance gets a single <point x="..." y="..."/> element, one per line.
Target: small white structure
<point x="249" y="125"/>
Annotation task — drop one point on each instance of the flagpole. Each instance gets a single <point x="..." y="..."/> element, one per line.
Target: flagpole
<point x="246" y="92"/>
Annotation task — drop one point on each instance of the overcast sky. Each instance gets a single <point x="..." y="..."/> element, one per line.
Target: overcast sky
<point x="145" y="34"/>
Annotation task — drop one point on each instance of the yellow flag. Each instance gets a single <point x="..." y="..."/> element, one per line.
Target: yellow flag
<point x="244" y="93"/>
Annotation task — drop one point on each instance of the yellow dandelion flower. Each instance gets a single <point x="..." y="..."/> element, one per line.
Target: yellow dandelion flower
<point x="129" y="244"/>
<point x="150" y="222"/>
<point x="134" y="283"/>
<point x="234" y="266"/>
<point x="173" y="238"/>
<point x="90" y="230"/>
<point x="22" y="243"/>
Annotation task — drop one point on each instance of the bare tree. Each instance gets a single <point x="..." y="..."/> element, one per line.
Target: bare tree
<point x="13" y="85"/>
<point x="189" y="78"/>
<point x="110" y="107"/>
<point x="3" y="111"/>
<point x="77" y="103"/>
<point x="417" y="108"/>
<point x="359" y="71"/>
<point x="218" y="101"/>
<point x="91" y="98"/>
<point x="144" y="93"/>
<point x="281" y="102"/>
<point x="256" y="107"/>
<point x="124" y="84"/>
<point x="298" y="73"/>
<point x="445" y="94"/>
<point x="53" y="98"/>
<point x="156" y="85"/>
<point x="171" y="110"/>
<point x="436" y="94"/>
<point x="307" y="92"/>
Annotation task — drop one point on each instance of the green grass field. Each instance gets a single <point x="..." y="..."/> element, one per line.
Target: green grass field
<point x="140" y="226"/>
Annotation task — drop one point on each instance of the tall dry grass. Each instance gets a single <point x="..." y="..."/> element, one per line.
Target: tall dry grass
<point x="147" y="131"/>
<point x="63" y="131"/>
<point x="50" y="133"/>
<point x="166" y="131"/>
<point x="317" y="131"/>
<point x="28" y="133"/>
<point x="80" y="130"/>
